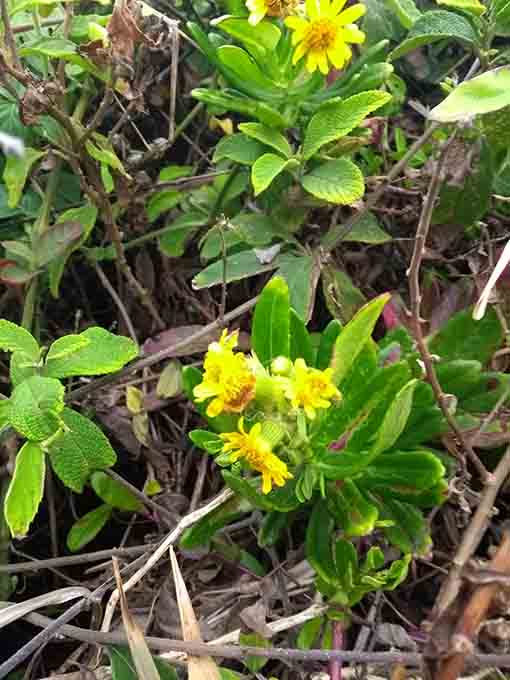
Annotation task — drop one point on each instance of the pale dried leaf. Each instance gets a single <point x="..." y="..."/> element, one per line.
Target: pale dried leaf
<point x="199" y="668"/>
<point x="170" y="381"/>
<point x="142" y="658"/>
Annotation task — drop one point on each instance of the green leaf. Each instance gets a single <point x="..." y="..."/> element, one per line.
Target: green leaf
<point x="201" y="533"/>
<point x="266" y="168"/>
<point x="247" y="489"/>
<point x="238" y="266"/>
<point x="339" y="181"/>
<point x="327" y="343"/>
<point x="208" y="441"/>
<point x="353" y="337"/>
<point x="35" y="405"/>
<point x="464" y="338"/>
<point x="238" y="148"/>
<point x="434" y="26"/>
<point x="123" y="667"/>
<point x="241" y="65"/>
<point x="87" y="527"/>
<point x="336" y="119"/>
<point x="318" y="542"/>
<point x="405" y="10"/>
<point x="65" y="346"/>
<point x="395" y="419"/>
<point x="485" y="93"/>
<point x="502" y="17"/>
<point x="21" y="367"/>
<point x="54" y="242"/>
<point x="79" y="450"/>
<point x="14" y="338"/>
<point x="416" y="470"/>
<point x="309" y="633"/>
<point x="352" y="511"/>
<point x="473" y="7"/>
<point x="367" y="229"/>
<point x="346" y="564"/>
<point x="25" y="490"/>
<point x="174" y="240"/>
<point x="272" y="527"/>
<point x="300" y="341"/>
<point x="113" y="493"/>
<point x="301" y="275"/>
<point x="271" y="322"/>
<point x="343" y="299"/>
<point x="409" y="532"/>
<point x="86" y="216"/>
<point x="265" y="34"/>
<point x="105" y="156"/>
<point x="162" y="202"/>
<point x="240" y="104"/>
<point x="103" y="353"/>
<point x="254" y="663"/>
<point x="268" y="136"/>
<point x="16" y="173"/>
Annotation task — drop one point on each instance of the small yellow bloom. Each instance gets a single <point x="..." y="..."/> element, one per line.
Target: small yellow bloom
<point x="324" y="36"/>
<point x="253" y="448"/>
<point x="272" y="8"/>
<point x="227" y="378"/>
<point x="310" y="389"/>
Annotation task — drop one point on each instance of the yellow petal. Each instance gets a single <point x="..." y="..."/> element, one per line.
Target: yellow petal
<point x="351" y="14"/>
<point x="296" y="23"/>
<point x="352" y="34"/>
<point x="312" y="9"/>
<point x="322" y="61"/>
<point x="215" y="408"/>
<point x="266" y="482"/>
<point x="299" y="52"/>
<point x="336" y="57"/>
<point x="337" y="6"/>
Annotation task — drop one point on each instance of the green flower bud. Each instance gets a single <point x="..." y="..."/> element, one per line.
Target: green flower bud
<point x="281" y="366"/>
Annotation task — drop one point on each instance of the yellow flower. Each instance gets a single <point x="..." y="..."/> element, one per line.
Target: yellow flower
<point x="324" y="36"/>
<point x="310" y="389"/>
<point x="253" y="448"/>
<point x="272" y="8"/>
<point x="227" y="378"/>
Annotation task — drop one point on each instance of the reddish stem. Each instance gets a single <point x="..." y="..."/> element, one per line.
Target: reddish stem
<point x="335" y="665"/>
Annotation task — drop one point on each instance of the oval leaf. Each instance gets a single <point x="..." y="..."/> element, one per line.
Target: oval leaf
<point x="114" y="493"/>
<point x="87" y="527"/>
<point x="26" y="489"/>
<point x="339" y="181"/>
<point x="270" y="336"/>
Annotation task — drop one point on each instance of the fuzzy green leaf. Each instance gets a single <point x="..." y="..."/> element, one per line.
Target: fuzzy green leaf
<point x="79" y="450"/>
<point x="65" y="346"/>
<point x="238" y="148"/>
<point x="336" y="119"/>
<point x="14" y="338"/>
<point x="268" y="136"/>
<point x="485" y="93"/>
<point x="87" y="527"/>
<point x="434" y="26"/>
<point x="473" y="7"/>
<point x="339" y="181"/>
<point x="405" y="10"/>
<point x="26" y="489"/>
<point x="104" y="353"/>
<point x="270" y="335"/>
<point x="266" y="168"/>
<point x="35" y="405"/>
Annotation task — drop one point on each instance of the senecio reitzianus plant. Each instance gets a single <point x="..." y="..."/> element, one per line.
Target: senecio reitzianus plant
<point x="316" y="423"/>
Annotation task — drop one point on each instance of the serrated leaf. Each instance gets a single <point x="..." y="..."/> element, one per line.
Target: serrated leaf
<point x="266" y="168"/>
<point x="26" y="489"/>
<point x="336" y="119"/>
<point x="16" y="173"/>
<point x="35" y="405"/>
<point x="79" y="450"/>
<point x="113" y="493"/>
<point x="434" y="26"/>
<point x="104" y="353"/>
<point x="353" y="337"/>
<point x="268" y="136"/>
<point x="271" y="322"/>
<point x="14" y="338"/>
<point x="87" y="527"/>
<point x="339" y="181"/>
<point x="485" y="93"/>
<point x="238" y="148"/>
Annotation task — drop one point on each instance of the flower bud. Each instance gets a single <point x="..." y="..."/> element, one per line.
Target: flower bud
<point x="281" y="366"/>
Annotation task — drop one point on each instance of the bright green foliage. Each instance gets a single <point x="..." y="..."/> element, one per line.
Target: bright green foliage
<point x="102" y="353"/>
<point x="114" y="493"/>
<point x="271" y="322"/>
<point x="13" y="338"/>
<point x="36" y="406"/>
<point x="486" y="93"/>
<point x="473" y="7"/>
<point x="336" y="119"/>
<point x="239" y="148"/>
<point x="26" y="489"/>
<point x="339" y="181"/>
<point x="79" y="450"/>
<point x="123" y="667"/>
<point x="266" y="168"/>
<point x="87" y="527"/>
<point x="268" y="136"/>
<point x="16" y="173"/>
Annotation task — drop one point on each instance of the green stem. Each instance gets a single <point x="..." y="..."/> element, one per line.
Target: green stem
<point x="29" y="304"/>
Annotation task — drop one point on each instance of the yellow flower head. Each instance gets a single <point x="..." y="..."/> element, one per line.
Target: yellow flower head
<point x="324" y="36"/>
<point x="272" y="8"/>
<point x="310" y="389"/>
<point x="227" y="378"/>
<point x="255" y="450"/>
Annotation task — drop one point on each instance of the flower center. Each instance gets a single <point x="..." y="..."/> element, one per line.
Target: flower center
<point x="320" y="35"/>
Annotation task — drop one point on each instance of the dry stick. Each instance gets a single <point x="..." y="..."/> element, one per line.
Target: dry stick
<point x="472" y="537"/>
<point x="415" y="294"/>
<point x="155" y="358"/>
<point x="474" y="614"/>
<point x="118" y="302"/>
<point x="163" y="547"/>
<point x="241" y="652"/>
<point x="8" y="34"/>
<point x="24" y="28"/>
<point x="174" y="65"/>
<point x="336" y="234"/>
